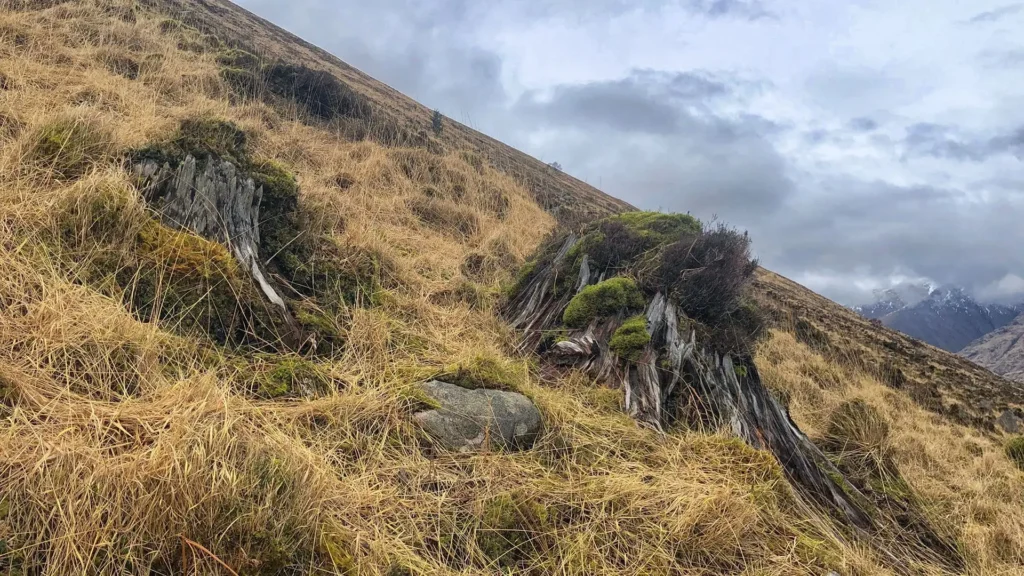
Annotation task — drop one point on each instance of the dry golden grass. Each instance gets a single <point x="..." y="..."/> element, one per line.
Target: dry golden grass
<point x="126" y="448"/>
<point x="961" y="476"/>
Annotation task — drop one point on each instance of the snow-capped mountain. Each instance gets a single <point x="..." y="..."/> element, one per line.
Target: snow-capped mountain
<point x="892" y="299"/>
<point x="945" y="316"/>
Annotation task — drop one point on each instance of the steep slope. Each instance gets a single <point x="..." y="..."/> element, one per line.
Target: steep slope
<point x="1001" y="351"/>
<point x="935" y="379"/>
<point x="397" y="118"/>
<point x="950" y="319"/>
<point x="153" y="420"/>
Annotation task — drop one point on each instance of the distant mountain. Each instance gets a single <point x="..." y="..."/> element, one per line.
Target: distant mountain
<point x="945" y="317"/>
<point x="892" y="299"/>
<point x="1001" y="351"/>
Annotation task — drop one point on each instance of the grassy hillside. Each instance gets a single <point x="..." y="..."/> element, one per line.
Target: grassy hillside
<point x="135" y="439"/>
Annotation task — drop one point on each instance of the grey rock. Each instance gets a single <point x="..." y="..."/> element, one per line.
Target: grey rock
<point x="1009" y="422"/>
<point x="471" y="420"/>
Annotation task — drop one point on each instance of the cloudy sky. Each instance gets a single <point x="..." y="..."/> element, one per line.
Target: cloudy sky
<point x="861" y="142"/>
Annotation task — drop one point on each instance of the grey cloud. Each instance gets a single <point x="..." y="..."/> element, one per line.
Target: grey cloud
<point x="863" y="124"/>
<point x="1000" y="59"/>
<point x="718" y="8"/>
<point x="938" y="141"/>
<point x="419" y="48"/>
<point x="645" y="102"/>
<point x="871" y="219"/>
<point x="593" y="9"/>
<point x="997" y="14"/>
<point x="657" y="139"/>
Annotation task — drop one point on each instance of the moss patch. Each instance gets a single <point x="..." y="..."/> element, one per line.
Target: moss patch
<point x="66" y="147"/>
<point x="194" y="285"/>
<point x="201" y="138"/>
<point x="604" y="299"/>
<point x="619" y="240"/>
<point x="511" y="530"/>
<point x="631" y="338"/>
<point x="293" y="376"/>
<point x="486" y="371"/>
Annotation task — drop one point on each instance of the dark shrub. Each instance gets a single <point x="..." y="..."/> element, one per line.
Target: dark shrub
<point x="317" y="92"/>
<point x="706" y="276"/>
<point x="437" y="122"/>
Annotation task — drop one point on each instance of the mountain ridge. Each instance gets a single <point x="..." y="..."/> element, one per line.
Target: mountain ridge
<point x="946" y="316"/>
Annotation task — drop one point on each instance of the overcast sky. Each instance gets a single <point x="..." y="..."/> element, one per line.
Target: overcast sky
<point x="860" y="142"/>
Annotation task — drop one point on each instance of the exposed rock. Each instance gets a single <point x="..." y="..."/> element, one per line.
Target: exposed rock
<point x="1001" y="351"/>
<point x="1009" y="421"/>
<point x="213" y="200"/>
<point x="470" y="420"/>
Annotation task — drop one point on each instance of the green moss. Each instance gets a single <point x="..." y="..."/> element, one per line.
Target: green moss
<point x="631" y="338"/>
<point x="320" y="322"/>
<point x="280" y="219"/>
<point x="66" y="147"/>
<point x="604" y="299"/>
<point x="293" y="376"/>
<point x="336" y="549"/>
<point x="618" y="241"/>
<point x="524" y="275"/>
<point x="1015" y="451"/>
<point x="194" y="285"/>
<point x="488" y="372"/>
<point x="552" y="337"/>
<point x="510" y="530"/>
<point x="659" y="226"/>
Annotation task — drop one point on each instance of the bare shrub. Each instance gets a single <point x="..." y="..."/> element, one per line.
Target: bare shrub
<point x="707" y="275"/>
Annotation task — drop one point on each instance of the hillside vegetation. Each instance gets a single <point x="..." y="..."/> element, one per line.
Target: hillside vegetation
<point x="154" y="421"/>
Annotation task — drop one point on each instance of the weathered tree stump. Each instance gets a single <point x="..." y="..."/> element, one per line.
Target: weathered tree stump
<point x="667" y="374"/>
<point x="213" y="199"/>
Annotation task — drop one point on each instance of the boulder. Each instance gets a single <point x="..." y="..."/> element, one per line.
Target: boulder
<point x="471" y="420"/>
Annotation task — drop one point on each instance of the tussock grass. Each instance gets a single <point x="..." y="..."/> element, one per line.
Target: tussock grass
<point x="960" y="478"/>
<point x="128" y="447"/>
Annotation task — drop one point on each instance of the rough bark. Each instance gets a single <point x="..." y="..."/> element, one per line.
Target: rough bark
<point x="216" y="201"/>
<point x="676" y="377"/>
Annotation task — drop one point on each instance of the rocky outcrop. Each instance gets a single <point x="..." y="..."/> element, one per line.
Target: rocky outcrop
<point x="1001" y="351"/>
<point x="471" y="420"/>
<point x="213" y="199"/>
